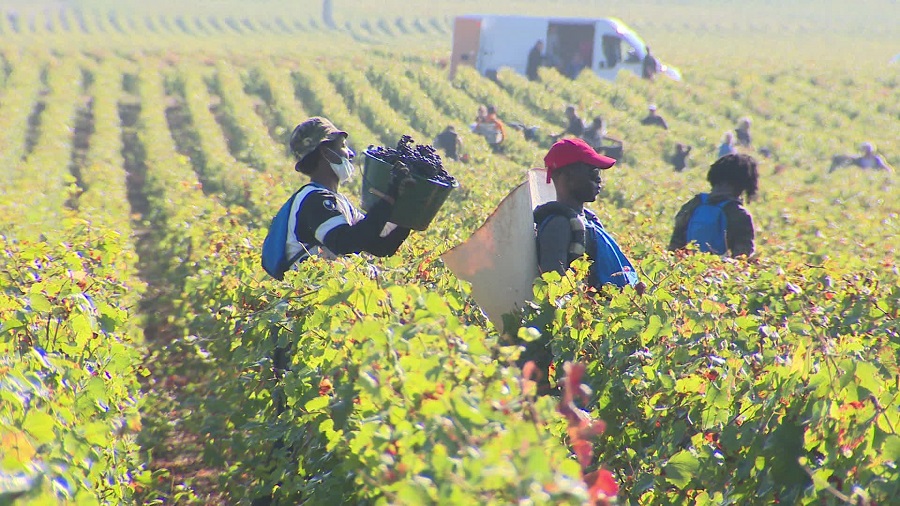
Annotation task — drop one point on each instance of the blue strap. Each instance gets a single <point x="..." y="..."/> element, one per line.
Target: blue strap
<point x="290" y="203"/>
<point x="704" y="198"/>
<point x="610" y="263"/>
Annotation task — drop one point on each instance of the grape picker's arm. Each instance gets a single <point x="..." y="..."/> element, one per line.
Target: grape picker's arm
<point x="320" y="221"/>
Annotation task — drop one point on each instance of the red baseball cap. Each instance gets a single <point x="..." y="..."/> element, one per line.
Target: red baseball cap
<point x="573" y="150"/>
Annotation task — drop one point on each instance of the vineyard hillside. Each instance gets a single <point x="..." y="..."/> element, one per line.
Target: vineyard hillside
<point x="143" y="154"/>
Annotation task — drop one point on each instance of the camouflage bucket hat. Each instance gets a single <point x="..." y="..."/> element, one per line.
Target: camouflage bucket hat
<point x="308" y="135"/>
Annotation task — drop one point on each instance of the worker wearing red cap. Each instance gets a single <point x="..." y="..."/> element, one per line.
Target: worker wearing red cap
<point x="565" y="229"/>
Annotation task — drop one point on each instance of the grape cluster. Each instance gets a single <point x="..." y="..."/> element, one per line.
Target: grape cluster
<point x="420" y="158"/>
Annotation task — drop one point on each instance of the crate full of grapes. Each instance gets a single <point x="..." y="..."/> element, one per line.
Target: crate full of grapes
<point x="419" y="202"/>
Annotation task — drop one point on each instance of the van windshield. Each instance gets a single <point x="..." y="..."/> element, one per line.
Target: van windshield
<point x="617" y="50"/>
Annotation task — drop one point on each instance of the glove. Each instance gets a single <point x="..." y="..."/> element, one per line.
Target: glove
<point x="401" y="178"/>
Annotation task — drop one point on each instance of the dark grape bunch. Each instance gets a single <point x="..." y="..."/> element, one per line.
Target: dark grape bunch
<point x="421" y="159"/>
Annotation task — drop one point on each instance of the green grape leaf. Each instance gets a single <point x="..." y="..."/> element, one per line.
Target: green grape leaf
<point x="681" y="468"/>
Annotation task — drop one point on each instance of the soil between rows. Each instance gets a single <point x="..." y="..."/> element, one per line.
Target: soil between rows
<point x="174" y="449"/>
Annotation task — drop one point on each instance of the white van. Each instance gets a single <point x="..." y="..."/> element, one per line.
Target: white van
<point x="606" y="45"/>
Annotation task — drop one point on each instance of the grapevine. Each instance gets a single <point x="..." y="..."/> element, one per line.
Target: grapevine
<point x="422" y="159"/>
<point x="137" y="330"/>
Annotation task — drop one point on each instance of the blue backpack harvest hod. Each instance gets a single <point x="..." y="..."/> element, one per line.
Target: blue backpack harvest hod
<point x="707" y="226"/>
<point x="274" y="256"/>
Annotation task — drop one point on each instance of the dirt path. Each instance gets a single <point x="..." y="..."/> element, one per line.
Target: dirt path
<point x="175" y="389"/>
<point x="81" y="143"/>
<point x="34" y="125"/>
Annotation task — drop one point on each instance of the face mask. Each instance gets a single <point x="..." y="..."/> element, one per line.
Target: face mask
<point x="343" y="170"/>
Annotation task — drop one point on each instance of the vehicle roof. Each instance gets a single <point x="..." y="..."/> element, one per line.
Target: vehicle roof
<point x="615" y="24"/>
<point x="551" y="19"/>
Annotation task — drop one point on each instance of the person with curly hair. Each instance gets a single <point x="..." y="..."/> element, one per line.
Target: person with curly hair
<point x="718" y="221"/>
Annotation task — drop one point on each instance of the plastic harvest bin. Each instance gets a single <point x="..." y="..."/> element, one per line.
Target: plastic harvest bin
<point x="416" y="206"/>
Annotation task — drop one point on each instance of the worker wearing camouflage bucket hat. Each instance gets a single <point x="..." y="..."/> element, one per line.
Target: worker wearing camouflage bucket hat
<point x="319" y="220"/>
<point x="322" y="221"/>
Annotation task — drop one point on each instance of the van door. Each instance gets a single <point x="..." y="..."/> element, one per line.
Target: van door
<point x="570" y="46"/>
<point x="466" y="42"/>
<point x="506" y="41"/>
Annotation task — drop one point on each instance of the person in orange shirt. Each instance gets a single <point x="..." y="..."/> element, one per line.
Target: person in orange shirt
<point x="492" y="129"/>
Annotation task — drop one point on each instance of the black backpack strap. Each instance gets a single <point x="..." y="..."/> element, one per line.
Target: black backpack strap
<point x="545" y="212"/>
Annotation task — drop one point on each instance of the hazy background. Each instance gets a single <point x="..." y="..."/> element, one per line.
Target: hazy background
<point x="840" y="34"/>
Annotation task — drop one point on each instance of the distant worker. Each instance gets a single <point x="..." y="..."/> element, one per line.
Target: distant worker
<point x="574" y="124"/>
<point x="596" y="137"/>
<point x="535" y="60"/>
<point x="717" y="221"/>
<point x="727" y="147"/>
<point x="867" y="160"/>
<point x="742" y="133"/>
<point x="449" y="142"/>
<point x="552" y="55"/>
<point x="595" y="133"/>
<point x="576" y="65"/>
<point x="650" y="65"/>
<point x="480" y="114"/>
<point x="653" y="118"/>
<point x="679" y="159"/>
<point x="492" y="129"/>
